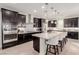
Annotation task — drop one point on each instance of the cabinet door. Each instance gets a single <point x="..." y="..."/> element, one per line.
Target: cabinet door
<point x="49" y="23"/>
<point x="9" y="17"/>
<point x="75" y="21"/>
<point x="71" y="22"/>
<point x="21" y="18"/>
<point x="36" y="44"/>
<point x="72" y="35"/>
<point x="37" y="22"/>
<point x="52" y="23"/>
<point x="67" y="23"/>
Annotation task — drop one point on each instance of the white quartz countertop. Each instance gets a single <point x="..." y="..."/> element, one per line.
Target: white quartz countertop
<point x="16" y="32"/>
<point x="66" y="29"/>
<point x="48" y="35"/>
<point x="10" y="32"/>
<point x="27" y="32"/>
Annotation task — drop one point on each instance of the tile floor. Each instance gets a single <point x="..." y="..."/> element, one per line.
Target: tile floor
<point x="71" y="48"/>
<point x="22" y="49"/>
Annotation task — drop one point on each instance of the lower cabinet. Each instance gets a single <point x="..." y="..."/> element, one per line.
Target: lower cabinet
<point x="72" y="35"/>
<point x="9" y="44"/>
<point x="9" y="40"/>
<point x="24" y="38"/>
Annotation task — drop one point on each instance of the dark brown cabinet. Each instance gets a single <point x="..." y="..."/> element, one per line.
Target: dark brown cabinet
<point x="52" y="23"/>
<point x="9" y="16"/>
<point x="73" y="35"/>
<point x="71" y="22"/>
<point x="49" y="23"/>
<point x="22" y="38"/>
<point x="36" y="43"/>
<point x="21" y="18"/>
<point x="37" y="22"/>
<point x="10" y="20"/>
<point x="12" y="17"/>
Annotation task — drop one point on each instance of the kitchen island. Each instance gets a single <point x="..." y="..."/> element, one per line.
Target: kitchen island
<point x="44" y="37"/>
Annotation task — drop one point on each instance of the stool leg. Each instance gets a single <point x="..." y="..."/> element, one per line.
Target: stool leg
<point x="60" y="42"/>
<point x="65" y="40"/>
<point x="54" y="49"/>
<point x="50" y="48"/>
<point x="57" y="49"/>
<point x="61" y="45"/>
<point x="47" y="49"/>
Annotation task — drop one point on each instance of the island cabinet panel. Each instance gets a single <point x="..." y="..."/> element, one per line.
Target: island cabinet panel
<point x="36" y="43"/>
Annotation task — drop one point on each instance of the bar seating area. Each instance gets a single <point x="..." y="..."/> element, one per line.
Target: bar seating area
<point x="55" y="45"/>
<point x="39" y="29"/>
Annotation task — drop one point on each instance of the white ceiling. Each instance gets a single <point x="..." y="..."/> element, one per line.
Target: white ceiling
<point x="65" y="9"/>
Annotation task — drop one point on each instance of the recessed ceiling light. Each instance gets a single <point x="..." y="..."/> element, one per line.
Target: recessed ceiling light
<point x="55" y="10"/>
<point x="52" y="8"/>
<point x="35" y="11"/>
<point x="45" y="15"/>
<point x="58" y="13"/>
<point x="43" y="7"/>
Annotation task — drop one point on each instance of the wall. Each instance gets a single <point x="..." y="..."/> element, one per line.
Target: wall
<point x="60" y="22"/>
<point x="0" y="31"/>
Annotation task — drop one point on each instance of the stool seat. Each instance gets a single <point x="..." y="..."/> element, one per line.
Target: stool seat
<point x="52" y="43"/>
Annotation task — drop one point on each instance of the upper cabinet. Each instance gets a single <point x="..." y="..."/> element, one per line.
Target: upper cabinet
<point x="37" y="22"/>
<point x="8" y="15"/>
<point x="21" y="18"/>
<point x="52" y="23"/>
<point x="71" y="22"/>
<point x="10" y="19"/>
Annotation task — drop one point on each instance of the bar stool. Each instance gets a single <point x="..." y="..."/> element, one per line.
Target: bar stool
<point x="52" y="43"/>
<point x="62" y="40"/>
